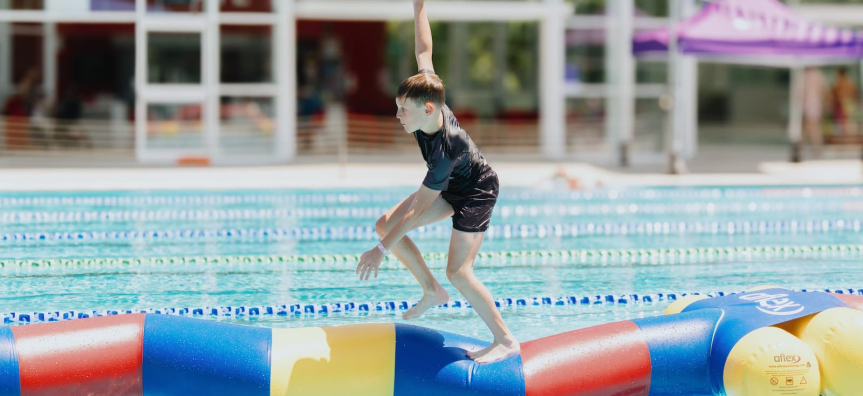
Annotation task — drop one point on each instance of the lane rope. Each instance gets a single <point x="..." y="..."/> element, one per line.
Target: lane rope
<point x="305" y="311"/>
<point x="504" y="211"/>
<point x="682" y="255"/>
<point x="524" y="231"/>
<point x="346" y="198"/>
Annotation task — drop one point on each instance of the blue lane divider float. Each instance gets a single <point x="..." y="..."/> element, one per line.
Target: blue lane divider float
<point x="360" y="308"/>
<point x="336" y="198"/>
<point x="503" y="211"/>
<point x="354" y="233"/>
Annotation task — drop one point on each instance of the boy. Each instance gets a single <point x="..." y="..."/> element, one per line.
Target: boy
<point x="459" y="183"/>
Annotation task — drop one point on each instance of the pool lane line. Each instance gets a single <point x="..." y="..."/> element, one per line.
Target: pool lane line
<point x="306" y="311"/>
<point x="586" y="256"/>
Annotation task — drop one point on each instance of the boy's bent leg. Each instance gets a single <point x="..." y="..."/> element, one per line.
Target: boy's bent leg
<point x="408" y="253"/>
<point x="464" y="247"/>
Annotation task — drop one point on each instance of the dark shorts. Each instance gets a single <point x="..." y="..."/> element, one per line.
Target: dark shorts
<point x="473" y="207"/>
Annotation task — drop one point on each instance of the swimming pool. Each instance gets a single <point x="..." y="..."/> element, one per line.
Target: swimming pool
<point x="81" y="252"/>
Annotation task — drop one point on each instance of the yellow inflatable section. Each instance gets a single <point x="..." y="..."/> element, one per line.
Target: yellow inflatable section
<point x="820" y="354"/>
<point x="771" y="361"/>
<point x="337" y="360"/>
<point x="681" y="303"/>
<point x="836" y="338"/>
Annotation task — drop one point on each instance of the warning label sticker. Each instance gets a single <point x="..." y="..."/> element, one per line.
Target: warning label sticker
<point x="789" y="379"/>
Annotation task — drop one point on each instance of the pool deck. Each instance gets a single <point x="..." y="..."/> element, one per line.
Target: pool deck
<point x="538" y="175"/>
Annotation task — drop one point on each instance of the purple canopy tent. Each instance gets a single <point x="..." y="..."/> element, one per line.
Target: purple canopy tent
<point x="596" y="35"/>
<point x="756" y="31"/>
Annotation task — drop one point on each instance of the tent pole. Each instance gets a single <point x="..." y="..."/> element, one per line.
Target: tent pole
<point x="671" y="141"/>
<point x="681" y="78"/>
<point x="795" y="113"/>
<point x="795" y="107"/>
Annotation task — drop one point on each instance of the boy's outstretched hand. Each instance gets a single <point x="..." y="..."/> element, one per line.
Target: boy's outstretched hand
<point x="370" y="260"/>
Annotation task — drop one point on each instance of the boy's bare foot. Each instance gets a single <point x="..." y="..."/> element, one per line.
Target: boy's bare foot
<point x="429" y="300"/>
<point x="498" y="350"/>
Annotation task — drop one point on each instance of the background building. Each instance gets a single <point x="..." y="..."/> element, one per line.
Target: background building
<point x="266" y="81"/>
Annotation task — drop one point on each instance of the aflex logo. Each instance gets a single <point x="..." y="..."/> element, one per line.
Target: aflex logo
<point x="774" y="304"/>
<point x="783" y="358"/>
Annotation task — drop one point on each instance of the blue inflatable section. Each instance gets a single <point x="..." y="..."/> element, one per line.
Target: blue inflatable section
<point x="746" y="312"/>
<point x="184" y="356"/>
<point x="10" y="383"/>
<point x="677" y="352"/>
<point x="433" y="363"/>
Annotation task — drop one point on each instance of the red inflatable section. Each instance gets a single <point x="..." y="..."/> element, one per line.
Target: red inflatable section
<point x="610" y="359"/>
<point x="855" y="302"/>
<point x="80" y="357"/>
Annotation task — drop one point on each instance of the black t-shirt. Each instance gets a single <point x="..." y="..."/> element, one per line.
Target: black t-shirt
<point x="453" y="160"/>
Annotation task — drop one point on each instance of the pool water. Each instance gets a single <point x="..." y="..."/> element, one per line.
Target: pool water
<point x="299" y="232"/>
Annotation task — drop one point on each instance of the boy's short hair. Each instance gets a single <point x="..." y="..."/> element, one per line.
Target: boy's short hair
<point x="423" y="87"/>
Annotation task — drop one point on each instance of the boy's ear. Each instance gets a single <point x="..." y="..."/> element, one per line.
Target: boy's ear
<point x="429" y="108"/>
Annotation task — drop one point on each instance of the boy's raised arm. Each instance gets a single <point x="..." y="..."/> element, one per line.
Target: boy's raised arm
<point x="423" y="36"/>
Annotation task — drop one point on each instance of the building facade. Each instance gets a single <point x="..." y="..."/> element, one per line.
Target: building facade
<point x="266" y="81"/>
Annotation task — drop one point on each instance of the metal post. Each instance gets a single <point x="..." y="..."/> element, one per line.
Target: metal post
<point x="795" y="107"/>
<point x="211" y="77"/>
<point x="140" y="80"/>
<point x="286" y="80"/>
<point x="795" y="113"/>
<point x="620" y="67"/>
<point x="681" y="81"/>
<point x="457" y="35"/>
<point x="686" y="94"/>
<point x="49" y="59"/>
<point x="336" y="125"/>
<point x="500" y="48"/>
<point x="6" y="85"/>
<point x="674" y="17"/>
<point x="552" y="111"/>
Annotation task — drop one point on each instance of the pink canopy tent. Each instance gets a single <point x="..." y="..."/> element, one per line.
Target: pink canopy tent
<point x="755" y="31"/>
<point x="594" y="36"/>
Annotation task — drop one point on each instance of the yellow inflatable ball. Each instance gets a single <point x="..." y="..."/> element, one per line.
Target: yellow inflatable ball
<point x="681" y="303"/>
<point x="836" y="337"/>
<point x="771" y="361"/>
<point x="796" y="326"/>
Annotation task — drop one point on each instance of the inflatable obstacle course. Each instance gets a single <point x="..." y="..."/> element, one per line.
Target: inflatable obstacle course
<point x="767" y="342"/>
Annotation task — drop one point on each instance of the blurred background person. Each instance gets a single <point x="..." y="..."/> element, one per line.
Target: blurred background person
<point x="814" y="92"/>
<point x="69" y="112"/>
<point x="846" y="100"/>
<point x="40" y="120"/>
<point x="17" y="111"/>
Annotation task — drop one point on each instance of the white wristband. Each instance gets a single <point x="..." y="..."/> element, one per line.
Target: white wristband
<point x="383" y="249"/>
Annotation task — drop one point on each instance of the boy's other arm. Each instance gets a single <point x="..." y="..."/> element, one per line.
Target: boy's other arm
<point x="371" y="260"/>
<point x="422" y="202"/>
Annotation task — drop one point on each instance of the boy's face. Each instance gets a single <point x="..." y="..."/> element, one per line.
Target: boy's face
<point x="411" y="115"/>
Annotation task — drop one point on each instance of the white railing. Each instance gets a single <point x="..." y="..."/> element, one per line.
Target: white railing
<point x="357" y="137"/>
<point x="22" y="137"/>
<point x="372" y="135"/>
